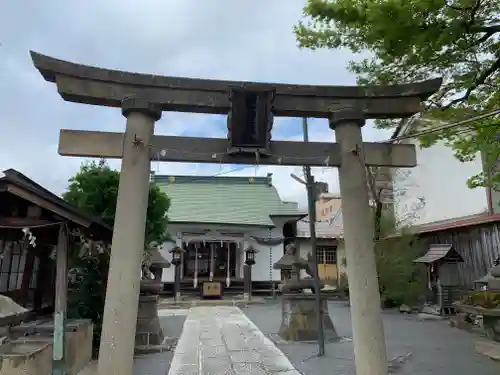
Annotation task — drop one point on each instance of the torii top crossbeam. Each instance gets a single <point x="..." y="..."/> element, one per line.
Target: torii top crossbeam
<point x="91" y="85"/>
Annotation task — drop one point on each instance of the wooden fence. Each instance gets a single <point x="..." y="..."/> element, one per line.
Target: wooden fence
<point x="479" y="246"/>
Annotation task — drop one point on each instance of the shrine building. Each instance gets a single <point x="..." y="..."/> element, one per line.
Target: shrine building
<point x="214" y="219"/>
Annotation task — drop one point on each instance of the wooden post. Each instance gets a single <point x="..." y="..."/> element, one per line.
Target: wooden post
<point x="60" y="308"/>
<point x="27" y="272"/>
<point x="211" y="268"/>
<point x="247" y="282"/>
<point x="39" y="285"/>
<point x="177" y="283"/>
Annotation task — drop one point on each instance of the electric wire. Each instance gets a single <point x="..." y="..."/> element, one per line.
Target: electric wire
<point x="468" y="121"/>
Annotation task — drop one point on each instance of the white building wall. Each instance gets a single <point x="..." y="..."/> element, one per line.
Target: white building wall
<point x="266" y="257"/>
<point x="440" y="179"/>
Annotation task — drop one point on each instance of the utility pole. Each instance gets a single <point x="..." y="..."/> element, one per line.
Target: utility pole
<point x="311" y="203"/>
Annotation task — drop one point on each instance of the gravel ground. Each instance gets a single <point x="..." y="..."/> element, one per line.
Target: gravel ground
<point x="431" y="347"/>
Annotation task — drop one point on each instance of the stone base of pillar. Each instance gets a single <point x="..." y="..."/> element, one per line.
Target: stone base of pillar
<point x="148" y="332"/>
<point x="246" y="296"/>
<point x="299" y="319"/>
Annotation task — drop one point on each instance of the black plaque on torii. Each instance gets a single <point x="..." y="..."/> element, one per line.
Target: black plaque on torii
<point x="250" y="120"/>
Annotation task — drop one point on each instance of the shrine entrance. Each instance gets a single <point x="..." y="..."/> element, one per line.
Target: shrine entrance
<point x="203" y="258"/>
<point x="250" y="108"/>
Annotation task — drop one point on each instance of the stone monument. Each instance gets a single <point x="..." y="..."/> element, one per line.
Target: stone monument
<point x="148" y="332"/>
<point x="298" y="310"/>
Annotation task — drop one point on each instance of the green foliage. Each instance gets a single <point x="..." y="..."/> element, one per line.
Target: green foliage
<point x="87" y="291"/>
<point x="486" y="299"/>
<point x="94" y="189"/>
<point x="400" y="280"/>
<point x="400" y="41"/>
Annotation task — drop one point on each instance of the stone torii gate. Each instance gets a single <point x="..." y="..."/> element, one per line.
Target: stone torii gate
<point x="251" y="107"/>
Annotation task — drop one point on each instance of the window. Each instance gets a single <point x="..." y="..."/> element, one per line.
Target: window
<point x="5" y="266"/>
<point x="12" y="267"/>
<point x="326" y="254"/>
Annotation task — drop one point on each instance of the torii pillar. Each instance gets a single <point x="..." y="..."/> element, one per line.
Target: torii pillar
<point x="368" y="331"/>
<point x="116" y="355"/>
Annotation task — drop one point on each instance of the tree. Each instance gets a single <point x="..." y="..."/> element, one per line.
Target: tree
<point x="94" y="190"/>
<point x="400" y="280"/>
<point x="414" y="40"/>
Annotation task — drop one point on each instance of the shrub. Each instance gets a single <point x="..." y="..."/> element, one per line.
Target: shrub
<point x="486" y="299"/>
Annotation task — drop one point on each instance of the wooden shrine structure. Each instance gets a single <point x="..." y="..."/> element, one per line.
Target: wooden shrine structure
<point x="37" y="229"/>
<point x="250" y="108"/>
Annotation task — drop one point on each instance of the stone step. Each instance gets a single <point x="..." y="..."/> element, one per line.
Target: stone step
<point x="188" y="303"/>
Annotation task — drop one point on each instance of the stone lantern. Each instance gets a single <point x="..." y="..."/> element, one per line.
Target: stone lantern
<point x="292" y="263"/>
<point x="247" y="272"/>
<point x="494" y="281"/>
<point x="155" y="264"/>
<point x="299" y="320"/>
<point x="484" y="281"/>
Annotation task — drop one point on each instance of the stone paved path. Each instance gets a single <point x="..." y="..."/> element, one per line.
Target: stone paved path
<point x="222" y="340"/>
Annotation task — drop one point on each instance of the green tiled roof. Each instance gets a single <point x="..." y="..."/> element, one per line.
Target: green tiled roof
<point x="224" y="200"/>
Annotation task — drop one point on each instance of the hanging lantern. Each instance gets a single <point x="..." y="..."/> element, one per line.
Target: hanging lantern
<point x="250" y="256"/>
<point x="176" y="255"/>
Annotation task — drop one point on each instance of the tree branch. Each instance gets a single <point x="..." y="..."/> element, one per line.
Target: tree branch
<point x="492" y="29"/>
<point x="479" y="81"/>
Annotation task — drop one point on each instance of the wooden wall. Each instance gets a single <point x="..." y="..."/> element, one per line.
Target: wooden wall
<point x="479" y="246"/>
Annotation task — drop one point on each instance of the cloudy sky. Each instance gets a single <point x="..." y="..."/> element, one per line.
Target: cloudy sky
<point x="218" y="39"/>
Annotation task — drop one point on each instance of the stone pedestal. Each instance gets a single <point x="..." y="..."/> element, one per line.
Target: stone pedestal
<point x="299" y="319"/>
<point x="148" y="331"/>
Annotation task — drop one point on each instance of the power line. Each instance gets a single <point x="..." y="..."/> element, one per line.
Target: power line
<point x="446" y="127"/>
<point x="218" y="173"/>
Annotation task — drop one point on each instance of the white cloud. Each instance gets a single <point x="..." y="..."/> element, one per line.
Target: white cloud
<point x="219" y="39"/>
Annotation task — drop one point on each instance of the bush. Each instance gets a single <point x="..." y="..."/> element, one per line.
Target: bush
<point x="87" y="292"/>
<point x="401" y="281"/>
<point x="486" y="299"/>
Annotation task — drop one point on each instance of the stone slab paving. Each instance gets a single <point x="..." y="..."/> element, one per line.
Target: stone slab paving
<point x="222" y="340"/>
